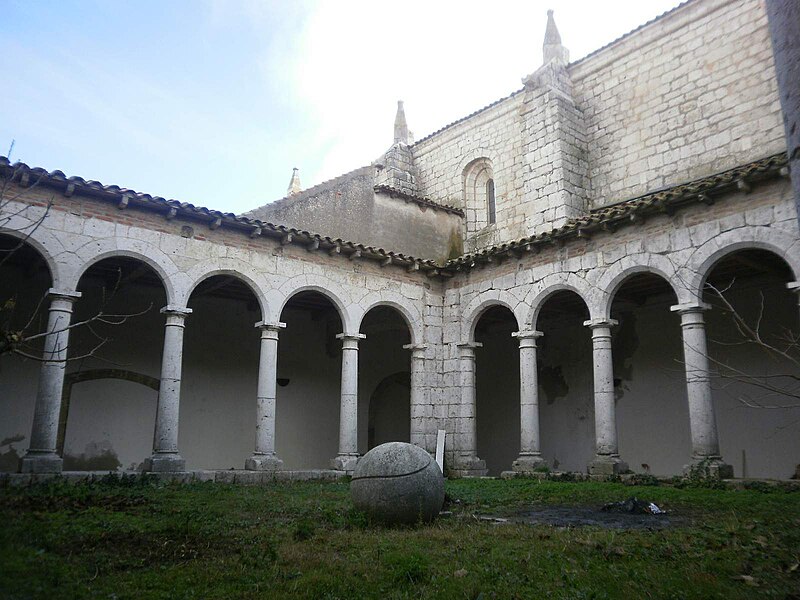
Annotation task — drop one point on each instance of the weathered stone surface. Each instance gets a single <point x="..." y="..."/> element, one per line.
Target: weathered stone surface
<point x="398" y="483"/>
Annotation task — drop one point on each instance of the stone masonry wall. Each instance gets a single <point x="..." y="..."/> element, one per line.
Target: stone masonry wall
<point x="690" y="95"/>
<point x="495" y="134"/>
<point x="348" y="208"/>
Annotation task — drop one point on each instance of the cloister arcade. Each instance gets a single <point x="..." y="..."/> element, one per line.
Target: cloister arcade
<point x="606" y="370"/>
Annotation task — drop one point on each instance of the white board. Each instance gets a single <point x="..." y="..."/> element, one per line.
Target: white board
<point x="440" y="449"/>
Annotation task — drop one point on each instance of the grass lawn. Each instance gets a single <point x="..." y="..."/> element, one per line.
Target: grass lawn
<point x="145" y="540"/>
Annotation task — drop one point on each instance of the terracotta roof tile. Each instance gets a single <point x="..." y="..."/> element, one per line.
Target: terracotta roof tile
<point x="57" y="179"/>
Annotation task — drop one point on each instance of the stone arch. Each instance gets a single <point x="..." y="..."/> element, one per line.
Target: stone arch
<point x="37" y="242"/>
<point x="233" y="268"/>
<point x="615" y="276"/>
<point x="95" y="251"/>
<point x="560" y="282"/>
<point x="305" y="283"/>
<point x="484" y="301"/>
<point x="408" y="311"/>
<point x="702" y="261"/>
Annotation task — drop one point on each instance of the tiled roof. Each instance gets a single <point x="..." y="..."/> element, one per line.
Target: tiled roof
<point x="604" y="219"/>
<point x="612" y="217"/>
<point x="125" y="197"/>
<point x="421" y="200"/>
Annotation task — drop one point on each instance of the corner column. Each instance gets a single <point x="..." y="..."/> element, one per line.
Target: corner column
<point x="530" y="455"/>
<point x="607" y="460"/>
<point x="465" y="458"/>
<point x="794" y="286"/>
<point x="702" y="420"/>
<point x="264" y="457"/>
<point x="417" y="434"/>
<point x="41" y="456"/>
<point x="348" y="413"/>
<point x="165" y="456"/>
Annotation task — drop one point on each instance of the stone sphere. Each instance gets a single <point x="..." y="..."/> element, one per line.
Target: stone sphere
<point x="398" y="483"/>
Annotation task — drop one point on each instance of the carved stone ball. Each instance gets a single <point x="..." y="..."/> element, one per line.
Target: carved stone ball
<point x="397" y="483"/>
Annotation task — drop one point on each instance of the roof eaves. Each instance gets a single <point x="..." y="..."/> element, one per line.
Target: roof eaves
<point x="214" y="218"/>
<point x="421" y="200"/>
<point x="627" y="212"/>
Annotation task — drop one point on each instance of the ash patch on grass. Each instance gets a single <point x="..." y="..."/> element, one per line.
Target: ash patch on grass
<point x="586" y="516"/>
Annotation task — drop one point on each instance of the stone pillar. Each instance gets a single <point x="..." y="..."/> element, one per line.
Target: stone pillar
<point x="348" y="413"/>
<point x="165" y="456"/>
<point x="465" y="457"/>
<point x="530" y="455"/>
<point x="607" y="460"/>
<point x="702" y="420"/>
<point x="41" y="456"/>
<point x="794" y="286"/>
<point x="417" y="436"/>
<point x="264" y="457"/>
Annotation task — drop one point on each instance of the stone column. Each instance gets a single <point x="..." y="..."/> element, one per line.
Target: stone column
<point x="607" y="460"/>
<point x="264" y="457"/>
<point x="530" y="455"/>
<point x="465" y="457"/>
<point x="165" y="456"/>
<point x="417" y="436"/>
<point x="41" y="456"/>
<point x="702" y="420"/>
<point x="348" y="413"/>
<point x="794" y="286"/>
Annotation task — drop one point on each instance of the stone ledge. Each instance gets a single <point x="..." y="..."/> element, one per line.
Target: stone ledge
<point x="228" y="476"/>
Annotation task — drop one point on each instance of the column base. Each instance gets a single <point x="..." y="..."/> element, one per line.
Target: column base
<point x="263" y="462"/>
<point x="164" y="463"/>
<point x="529" y="463"/>
<point x="607" y="464"/>
<point x="468" y="466"/>
<point x="44" y="462"/>
<point x="345" y="462"/>
<point x="708" y="467"/>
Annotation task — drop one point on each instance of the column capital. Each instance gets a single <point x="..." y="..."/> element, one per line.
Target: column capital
<point x="600" y="323"/>
<point x="690" y="307"/>
<point x="353" y="337"/>
<point x="173" y="310"/>
<point x="67" y="295"/>
<point x="417" y="350"/>
<point x="264" y="326"/>
<point x="527" y="334"/>
<point x="469" y="345"/>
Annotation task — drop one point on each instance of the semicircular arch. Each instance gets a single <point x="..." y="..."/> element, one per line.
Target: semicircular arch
<point x="617" y="275"/>
<point x="702" y="260"/>
<point x="231" y="267"/>
<point x="407" y="310"/>
<point x="41" y="243"/>
<point x="559" y="282"/>
<point x="322" y="285"/>
<point x="483" y="302"/>
<point x="98" y="250"/>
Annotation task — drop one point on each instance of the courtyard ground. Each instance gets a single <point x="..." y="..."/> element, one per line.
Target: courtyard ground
<point x="134" y="539"/>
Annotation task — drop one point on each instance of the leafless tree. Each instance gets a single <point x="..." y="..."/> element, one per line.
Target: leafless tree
<point x="24" y="336"/>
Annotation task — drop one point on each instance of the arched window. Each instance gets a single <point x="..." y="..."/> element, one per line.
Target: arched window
<point x="479" y="195"/>
<point x="490" y="209"/>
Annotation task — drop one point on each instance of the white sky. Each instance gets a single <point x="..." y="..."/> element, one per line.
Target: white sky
<point x="214" y="102"/>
